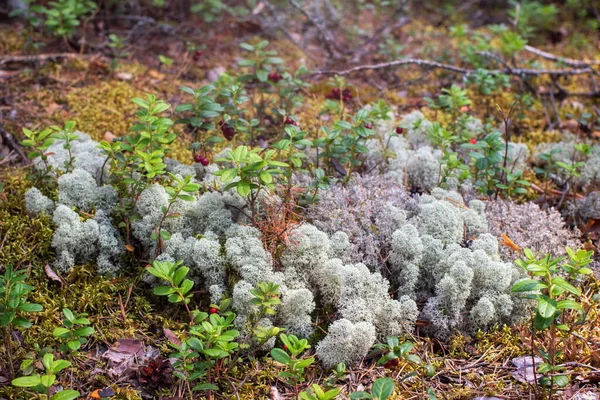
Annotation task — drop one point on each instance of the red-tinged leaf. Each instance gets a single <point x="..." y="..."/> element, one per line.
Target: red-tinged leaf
<point x="53" y="275"/>
<point x="172" y="337"/>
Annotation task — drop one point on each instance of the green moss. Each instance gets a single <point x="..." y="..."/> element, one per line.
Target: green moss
<point x="23" y="240"/>
<point x="103" y="107"/>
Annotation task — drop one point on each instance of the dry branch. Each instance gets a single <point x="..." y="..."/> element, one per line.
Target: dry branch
<point x="567" y="61"/>
<point x="454" y="68"/>
<point x="329" y="40"/>
<point x="41" y="57"/>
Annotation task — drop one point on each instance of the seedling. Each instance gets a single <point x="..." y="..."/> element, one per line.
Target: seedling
<point x="75" y="331"/>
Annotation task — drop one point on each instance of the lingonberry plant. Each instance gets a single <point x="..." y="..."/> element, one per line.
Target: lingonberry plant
<point x="199" y="114"/>
<point x="39" y="142"/>
<point x="179" y="287"/>
<point x="382" y="389"/>
<point x="396" y="351"/>
<point x="181" y="189"/>
<point x="290" y="357"/>
<point x="266" y="298"/>
<point x="137" y="159"/>
<point x="14" y="306"/>
<point x="74" y="332"/>
<point x="344" y="144"/>
<point x="67" y="135"/>
<point x="254" y="169"/>
<point x="43" y="383"/>
<point x="212" y="339"/>
<point x="318" y="393"/>
<point x="554" y="296"/>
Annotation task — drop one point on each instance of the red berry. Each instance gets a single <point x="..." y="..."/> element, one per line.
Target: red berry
<point x="198" y="158"/>
<point x="473" y="141"/>
<point x="399" y="130"/>
<point x="369" y="126"/>
<point x="334" y="94"/>
<point x="227" y="130"/>
<point x="285" y="347"/>
<point x="213" y="310"/>
<point x="289" y="121"/>
<point x="197" y="55"/>
<point x="204" y="161"/>
<point x="392" y="363"/>
<point x="275" y="77"/>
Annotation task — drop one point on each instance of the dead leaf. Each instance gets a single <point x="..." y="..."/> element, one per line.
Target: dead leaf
<point x="125" y="76"/>
<point x="123" y="356"/>
<point x="154" y="74"/>
<point x="102" y="393"/>
<point x="53" y="275"/>
<point x="172" y="337"/>
<point x="109" y="136"/>
<point x="52" y="108"/>
<point x="526" y="369"/>
<point x="8" y="74"/>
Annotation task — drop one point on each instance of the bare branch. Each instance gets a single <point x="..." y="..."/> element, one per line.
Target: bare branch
<point x="454" y="68"/>
<point x="42" y="57"/>
<point x="567" y="61"/>
<point x="330" y="43"/>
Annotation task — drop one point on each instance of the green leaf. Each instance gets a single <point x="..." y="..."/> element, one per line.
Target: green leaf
<point x="216" y="353"/>
<point x="68" y="314"/>
<point x="84" y="331"/>
<point x="74" y="345"/>
<point x="266" y="177"/>
<point x="546" y="306"/>
<point x="383" y="388"/>
<point x="186" y="286"/>
<point x="562" y="283"/>
<point x="27" y="381"/>
<point x="48" y="380"/>
<point x="243" y="188"/>
<point x="561" y="380"/>
<point x="163" y="290"/>
<point x="262" y="75"/>
<point x="540" y="323"/>
<point x="528" y="285"/>
<point x="30" y="307"/>
<point x="60" y="332"/>
<point x="66" y="395"/>
<point x="140" y="102"/>
<point x="280" y="356"/>
<point x="570" y="304"/>
<point x="165" y="235"/>
<point x="360" y="395"/>
<point x="228" y="175"/>
<point x="205" y="386"/>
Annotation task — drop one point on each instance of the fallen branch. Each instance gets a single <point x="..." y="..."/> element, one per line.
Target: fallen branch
<point x="567" y="61"/>
<point x="453" y="68"/>
<point x="329" y="40"/>
<point x="41" y="57"/>
<point x="11" y="142"/>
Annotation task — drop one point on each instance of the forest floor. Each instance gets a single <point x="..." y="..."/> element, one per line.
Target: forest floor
<point x="80" y="84"/>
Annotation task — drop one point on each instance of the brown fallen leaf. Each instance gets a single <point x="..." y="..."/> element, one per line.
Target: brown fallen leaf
<point x="53" y="275"/>
<point x="109" y="136"/>
<point x="172" y="337"/>
<point x="156" y="75"/>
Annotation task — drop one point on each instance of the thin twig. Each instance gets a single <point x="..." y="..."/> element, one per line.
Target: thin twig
<point x="454" y="68"/>
<point x="329" y="41"/>
<point x="11" y="142"/>
<point x="42" y="57"/>
<point x="567" y="61"/>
